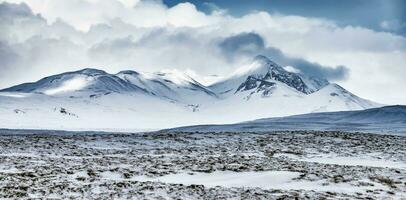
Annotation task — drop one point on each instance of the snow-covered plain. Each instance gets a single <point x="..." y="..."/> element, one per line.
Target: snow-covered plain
<point x="101" y="165"/>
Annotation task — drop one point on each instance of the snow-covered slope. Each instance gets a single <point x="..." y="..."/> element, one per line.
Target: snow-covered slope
<point x="333" y="97"/>
<point x="116" y="111"/>
<point x="94" y="99"/>
<point x="388" y="120"/>
<point x="172" y="85"/>
<point x="387" y="114"/>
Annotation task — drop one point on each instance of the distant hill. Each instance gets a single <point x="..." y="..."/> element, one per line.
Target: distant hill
<point x="388" y="119"/>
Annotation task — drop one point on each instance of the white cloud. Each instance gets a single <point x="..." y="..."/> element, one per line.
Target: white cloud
<point x="82" y="14"/>
<point x="148" y="36"/>
<point x="128" y="3"/>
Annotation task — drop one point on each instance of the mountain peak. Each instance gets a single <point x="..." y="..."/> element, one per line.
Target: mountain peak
<point x="264" y="60"/>
<point x="262" y="75"/>
<point x="264" y="71"/>
<point x="261" y="58"/>
<point x="90" y="72"/>
<point x="128" y="72"/>
<point x="259" y="67"/>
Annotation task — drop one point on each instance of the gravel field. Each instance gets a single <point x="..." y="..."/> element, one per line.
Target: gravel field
<point x="275" y="165"/>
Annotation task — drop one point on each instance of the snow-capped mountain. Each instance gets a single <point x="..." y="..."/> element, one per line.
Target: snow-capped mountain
<point x="95" y="99"/>
<point x="86" y="81"/>
<point x="265" y="89"/>
<point x="263" y="75"/>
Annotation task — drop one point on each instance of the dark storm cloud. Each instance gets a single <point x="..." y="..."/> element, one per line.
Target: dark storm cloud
<point x="306" y="67"/>
<point x="252" y="44"/>
<point x="242" y="43"/>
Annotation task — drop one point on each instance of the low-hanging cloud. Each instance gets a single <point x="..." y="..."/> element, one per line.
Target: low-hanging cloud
<point x="251" y="44"/>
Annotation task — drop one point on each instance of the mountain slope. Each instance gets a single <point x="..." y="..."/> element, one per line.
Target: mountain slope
<point x="388" y="119"/>
<point x="171" y="85"/>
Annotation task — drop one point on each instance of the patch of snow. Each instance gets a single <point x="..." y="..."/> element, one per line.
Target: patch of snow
<point x="111" y="175"/>
<point x="284" y="180"/>
<point x="352" y="161"/>
<point x="8" y="169"/>
<point x="268" y="179"/>
<point x="356" y="161"/>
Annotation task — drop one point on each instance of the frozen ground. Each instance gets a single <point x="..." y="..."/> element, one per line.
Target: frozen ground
<point x="306" y="165"/>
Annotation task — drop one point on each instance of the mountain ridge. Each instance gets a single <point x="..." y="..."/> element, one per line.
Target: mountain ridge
<point x="140" y="99"/>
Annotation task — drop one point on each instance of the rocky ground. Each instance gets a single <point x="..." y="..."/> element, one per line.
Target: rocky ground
<point x="46" y="164"/>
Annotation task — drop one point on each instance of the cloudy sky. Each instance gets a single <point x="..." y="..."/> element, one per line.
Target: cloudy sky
<point x="360" y="44"/>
